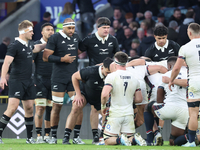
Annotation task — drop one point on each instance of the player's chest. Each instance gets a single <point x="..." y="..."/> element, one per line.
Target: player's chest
<point x="24" y="53"/>
<point x="67" y="45"/>
<point x="98" y="47"/>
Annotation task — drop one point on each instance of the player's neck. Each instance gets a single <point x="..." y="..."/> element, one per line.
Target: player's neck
<point x="118" y="67"/>
<point x="23" y="38"/>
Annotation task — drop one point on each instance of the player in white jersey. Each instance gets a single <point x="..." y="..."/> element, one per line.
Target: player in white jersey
<point x="173" y="106"/>
<point x="139" y="73"/>
<point x="125" y="90"/>
<point x="190" y="53"/>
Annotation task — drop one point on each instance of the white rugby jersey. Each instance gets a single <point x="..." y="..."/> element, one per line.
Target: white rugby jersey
<point x="191" y="53"/>
<point x="157" y="77"/>
<point x="124" y="86"/>
<point x="139" y="72"/>
<point x="178" y="94"/>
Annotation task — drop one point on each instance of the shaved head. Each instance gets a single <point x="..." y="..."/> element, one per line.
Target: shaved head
<point x="68" y="20"/>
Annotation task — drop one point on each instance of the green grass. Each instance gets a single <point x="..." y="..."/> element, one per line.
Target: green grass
<point x="20" y="144"/>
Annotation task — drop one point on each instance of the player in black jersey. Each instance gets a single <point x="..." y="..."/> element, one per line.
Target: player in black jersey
<point x="42" y="81"/>
<point x="20" y="83"/>
<point x="163" y="48"/>
<point x="99" y="46"/>
<point x="62" y="51"/>
<point x="90" y="92"/>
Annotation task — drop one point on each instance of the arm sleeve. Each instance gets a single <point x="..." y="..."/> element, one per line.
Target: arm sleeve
<point x="176" y="48"/>
<point x="181" y="53"/>
<point x="148" y="53"/>
<point x="109" y="80"/>
<point x="85" y="73"/>
<point x="51" y="43"/>
<point x="116" y="47"/>
<point x="12" y="50"/>
<point x="83" y="45"/>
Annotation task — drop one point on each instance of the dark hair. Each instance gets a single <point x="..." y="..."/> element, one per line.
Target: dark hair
<point x="107" y="62"/>
<point x="118" y="8"/>
<point x="103" y="21"/>
<point x="172" y="59"/>
<point x="46" y="24"/>
<point x="160" y="30"/>
<point x="121" y="57"/>
<point x="189" y="14"/>
<point x="177" y="9"/>
<point x="46" y="15"/>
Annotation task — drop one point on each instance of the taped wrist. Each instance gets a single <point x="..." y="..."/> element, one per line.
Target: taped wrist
<point x="54" y="59"/>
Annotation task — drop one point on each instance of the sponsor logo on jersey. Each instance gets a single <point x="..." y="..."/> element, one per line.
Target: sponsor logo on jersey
<point x="29" y="54"/>
<point x="55" y="87"/>
<point x="96" y="82"/>
<point x="23" y="49"/>
<point x="75" y="40"/>
<point x="39" y="93"/>
<point x="17" y="93"/>
<point x="71" y="47"/>
<point x="164" y="58"/>
<point x="103" y="49"/>
<point x="63" y="42"/>
<point x="156" y="55"/>
<point x="110" y="44"/>
<point x="96" y="45"/>
<point x="171" y="51"/>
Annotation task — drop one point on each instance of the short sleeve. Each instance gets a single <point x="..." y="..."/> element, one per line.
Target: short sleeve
<point x="181" y="53"/>
<point x="51" y="43"/>
<point x="116" y="46"/>
<point x="148" y="53"/>
<point x="12" y="50"/>
<point x="83" y="45"/>
<point x="138" y="86"/>
<point x="176" y="48"/>
<point x="85" y="73"/>
<point x="109" y="80"/>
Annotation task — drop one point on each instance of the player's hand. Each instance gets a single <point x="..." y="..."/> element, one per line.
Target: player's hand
<point x="78" y="100"/>
<point x="3" y="82"/>
<point x="165" y="79"/>
<point x="68" y="59"/>
<point x="170" y="84"/>
<point x="103" y="111"/>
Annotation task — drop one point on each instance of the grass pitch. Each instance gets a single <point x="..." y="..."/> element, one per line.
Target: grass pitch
<point x="20" y="144"/>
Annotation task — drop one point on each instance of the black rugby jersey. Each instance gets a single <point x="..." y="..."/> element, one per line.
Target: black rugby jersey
<point x="21" y="67"/>
<point x="92" y="81"/>
<point x="42" y="68"/>
<point x="62" y="45"/>
<point x="157" y="55"/>
<point x="96" y="50"/>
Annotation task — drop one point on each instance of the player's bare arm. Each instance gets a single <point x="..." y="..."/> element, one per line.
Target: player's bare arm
<point x="138" y="96"/>
<point x="7" y="61"/>
<point x="104" y="97"/>
<point x="179" y="82"/>
<point x="39" y="47"/>
<point x="78" y="99"/>
<point x="157" y="69"/>
<point x="136" y="62"/>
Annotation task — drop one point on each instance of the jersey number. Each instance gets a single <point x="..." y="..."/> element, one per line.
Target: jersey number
<point x="125" y="87"/>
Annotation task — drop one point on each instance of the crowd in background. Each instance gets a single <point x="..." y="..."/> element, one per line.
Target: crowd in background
<point x="132" y="22"/>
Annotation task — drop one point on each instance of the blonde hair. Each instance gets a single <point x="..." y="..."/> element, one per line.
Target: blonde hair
<point x="24" y="24"/>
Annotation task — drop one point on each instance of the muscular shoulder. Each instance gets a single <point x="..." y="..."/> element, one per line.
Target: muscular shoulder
<point x="173" y="43"/>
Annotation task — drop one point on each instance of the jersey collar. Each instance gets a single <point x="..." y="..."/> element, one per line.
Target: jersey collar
<point x="64" y="35"/>
<point x="162" y="48"/>
<point x="43" y="41"/>
<point x="100" y="38"/>
<point x="100" y="73"/>
<point x="21" y="41"/>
